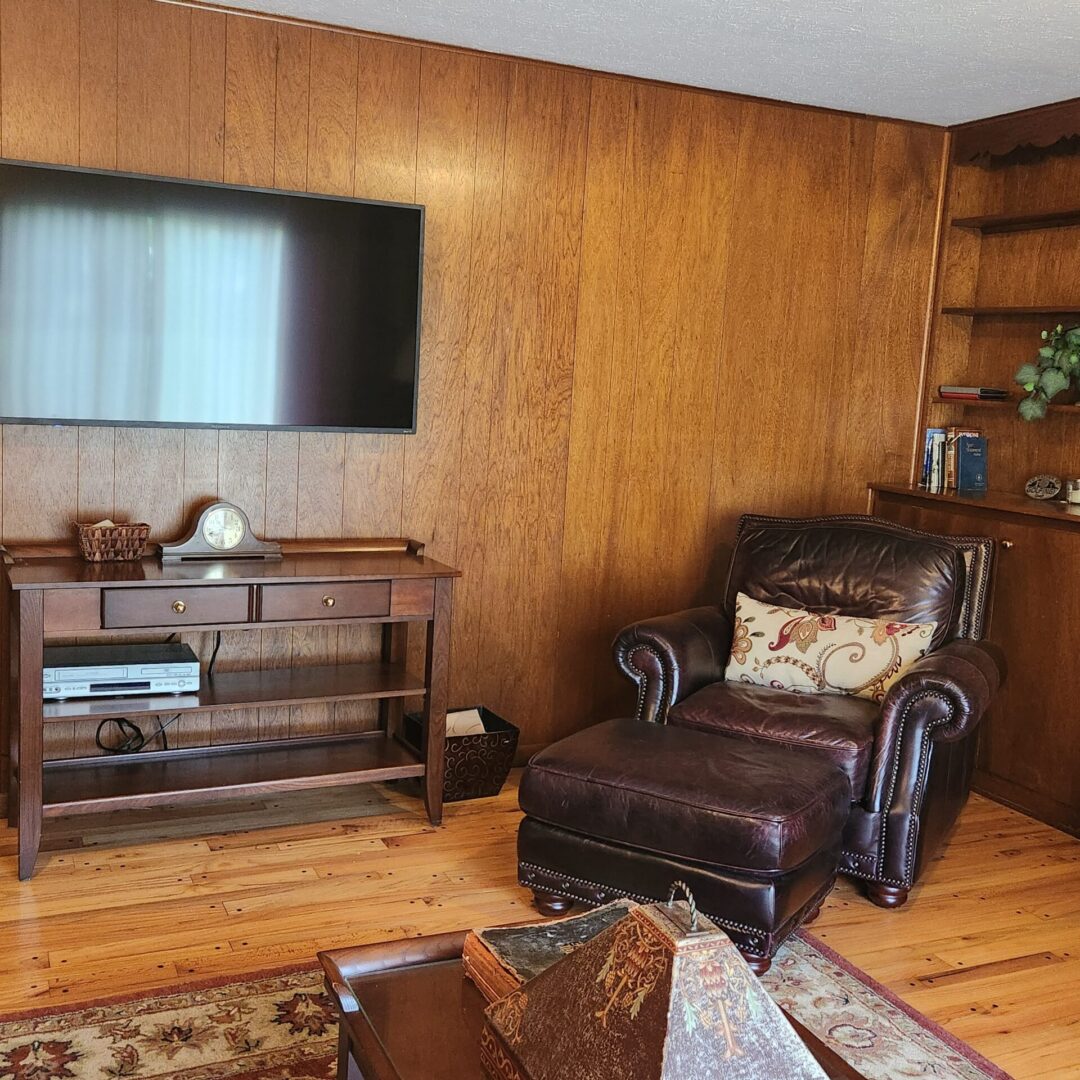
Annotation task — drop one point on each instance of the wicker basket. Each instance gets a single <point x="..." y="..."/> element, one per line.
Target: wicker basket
<point x="476" y="765"/>
<point x="113" y="543"/>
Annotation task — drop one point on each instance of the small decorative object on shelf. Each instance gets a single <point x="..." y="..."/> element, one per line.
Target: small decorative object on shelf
<point x="106" y="541"/>
<point x="1053" y="370"/>
<point x="1044" y="486"/>
<point x="1072" y="493"/>
<point x="221" y="531"/>
<point x="662" y="994"/>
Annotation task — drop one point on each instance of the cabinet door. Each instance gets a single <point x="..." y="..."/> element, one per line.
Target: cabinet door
<point x="1029" y="749"/>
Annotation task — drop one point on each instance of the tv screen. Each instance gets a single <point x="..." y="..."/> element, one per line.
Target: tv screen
<point x="144" y="301"/>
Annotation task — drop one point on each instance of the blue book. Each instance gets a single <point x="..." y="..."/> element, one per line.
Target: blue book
<point x="971" y="465"/>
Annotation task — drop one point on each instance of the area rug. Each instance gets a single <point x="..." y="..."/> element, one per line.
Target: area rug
<point x="282" y="1027"/>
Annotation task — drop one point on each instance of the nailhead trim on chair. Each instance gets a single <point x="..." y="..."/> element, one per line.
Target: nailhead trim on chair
<point x="924" y="766"/>
<point x="643" y="681"/>
<point x="753" y="931"/>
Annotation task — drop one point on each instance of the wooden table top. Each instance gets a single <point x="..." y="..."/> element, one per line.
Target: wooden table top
<point x="70" y="571"/>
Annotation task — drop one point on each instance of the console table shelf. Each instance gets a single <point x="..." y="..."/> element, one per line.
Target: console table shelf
<point x="254" y="689"/>
<point x="48" y="592"/>
<point x="87" y="785"/>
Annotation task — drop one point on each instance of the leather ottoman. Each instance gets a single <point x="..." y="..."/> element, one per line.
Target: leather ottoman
<point x="627" y="807"/>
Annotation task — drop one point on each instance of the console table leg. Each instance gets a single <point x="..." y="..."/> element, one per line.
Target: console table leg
<point x="392" y="652"/>
<point x="438" y="684"/>
<point x="29" y="643"/>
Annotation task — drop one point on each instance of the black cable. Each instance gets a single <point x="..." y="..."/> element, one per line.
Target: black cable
<point x="134" y="739"/>
<point x="213" y="655"/>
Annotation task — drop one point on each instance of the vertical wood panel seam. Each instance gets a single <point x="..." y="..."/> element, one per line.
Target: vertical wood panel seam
<point x="78" y="104"/>
<point x="505" y="110"/>
<point x="577" y="314"/>
<point x="190" y="33"/>
<point x="721" y="345"/>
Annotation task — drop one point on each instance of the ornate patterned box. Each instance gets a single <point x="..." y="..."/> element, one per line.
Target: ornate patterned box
<point x="661" y="995"/>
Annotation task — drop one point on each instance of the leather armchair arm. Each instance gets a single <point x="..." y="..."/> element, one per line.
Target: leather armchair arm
<point x="940" y="698"/>
<point x="670" y="657"/>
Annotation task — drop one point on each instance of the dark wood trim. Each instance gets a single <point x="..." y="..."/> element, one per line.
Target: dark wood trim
<point x="437" y="678"/>
<point x="30" y="751"/>
<point x="998" y="136"/>
<point x="933" y="293"/>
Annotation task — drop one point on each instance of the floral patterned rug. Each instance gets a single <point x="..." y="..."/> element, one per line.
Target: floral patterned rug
<point x="282" y="1027"/>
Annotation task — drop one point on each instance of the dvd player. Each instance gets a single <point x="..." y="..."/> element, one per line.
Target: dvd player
<point x="112" y="670"/>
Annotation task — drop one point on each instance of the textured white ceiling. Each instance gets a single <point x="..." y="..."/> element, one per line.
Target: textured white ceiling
<point x="940" y="61"/>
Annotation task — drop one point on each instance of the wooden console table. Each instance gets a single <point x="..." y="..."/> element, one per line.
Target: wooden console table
<point x="47" y="592"/>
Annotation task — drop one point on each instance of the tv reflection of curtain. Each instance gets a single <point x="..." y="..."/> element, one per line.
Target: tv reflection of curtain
<point x="115" y="315"/>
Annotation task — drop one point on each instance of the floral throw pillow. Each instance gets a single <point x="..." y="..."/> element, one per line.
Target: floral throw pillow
<point x="791" y="649"/>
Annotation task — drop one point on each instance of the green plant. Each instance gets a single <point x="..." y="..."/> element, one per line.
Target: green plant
<point x="1056" y="368"/>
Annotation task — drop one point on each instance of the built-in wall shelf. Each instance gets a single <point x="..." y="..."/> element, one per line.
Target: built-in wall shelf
<point x="1007" y="403"/>
<point x="1013" y="312"/>
<point x="1007" y="223"/>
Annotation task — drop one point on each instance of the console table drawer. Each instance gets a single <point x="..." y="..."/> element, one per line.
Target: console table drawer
<point x="183" y="606"/>
<point x="328" y="600"/>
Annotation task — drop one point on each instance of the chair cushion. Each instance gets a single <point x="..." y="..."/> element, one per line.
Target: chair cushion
<point x="690" y="795"/>
<point x="835" y="728"/>
<point x="864" y="567"/>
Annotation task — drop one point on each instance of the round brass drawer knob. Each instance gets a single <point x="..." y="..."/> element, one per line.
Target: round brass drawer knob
<point x="1007" y="544"/>
<point x="179" y="607"/>
<point x="328" y="601"/>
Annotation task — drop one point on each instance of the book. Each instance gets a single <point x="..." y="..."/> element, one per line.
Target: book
<point x="928" y="456"/>
<point x="971" y="465"/>
<point x="499" y="960"/>
<point x="936" y="480"/>
<point x="953" y="435"/>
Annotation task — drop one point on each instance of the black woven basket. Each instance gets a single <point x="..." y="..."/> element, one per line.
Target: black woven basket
<point x="476" y="765"/>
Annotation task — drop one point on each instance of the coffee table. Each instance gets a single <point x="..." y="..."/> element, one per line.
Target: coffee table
<point x="407" y="1011"/>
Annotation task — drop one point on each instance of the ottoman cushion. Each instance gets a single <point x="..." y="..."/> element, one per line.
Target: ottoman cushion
<point x="683" y="793"/>
<point x="831" y="726"/>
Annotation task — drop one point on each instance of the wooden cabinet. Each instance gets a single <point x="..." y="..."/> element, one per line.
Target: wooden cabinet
<point x="1029" y="748"/>
<point x="343" y="582"/>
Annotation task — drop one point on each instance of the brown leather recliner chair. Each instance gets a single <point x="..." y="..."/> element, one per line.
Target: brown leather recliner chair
<point x="910" y="759"/>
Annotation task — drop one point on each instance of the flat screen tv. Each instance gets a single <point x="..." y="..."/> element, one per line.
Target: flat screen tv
<point x="151" y="302"/>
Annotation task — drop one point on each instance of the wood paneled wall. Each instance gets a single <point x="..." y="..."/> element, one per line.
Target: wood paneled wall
<point x="1008" y="269"/>
<point x="646" y="310"/>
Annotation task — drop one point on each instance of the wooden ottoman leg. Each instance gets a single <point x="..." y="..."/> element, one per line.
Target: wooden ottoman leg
<point x="549" y="903"/>
<point x="812" y="916"/>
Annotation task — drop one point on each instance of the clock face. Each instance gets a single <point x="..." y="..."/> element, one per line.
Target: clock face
<point x="223" y="528"/>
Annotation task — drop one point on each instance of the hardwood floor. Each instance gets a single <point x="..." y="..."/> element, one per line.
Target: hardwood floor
<point x="989" y="945"/>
